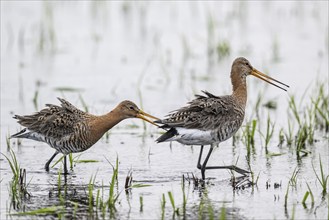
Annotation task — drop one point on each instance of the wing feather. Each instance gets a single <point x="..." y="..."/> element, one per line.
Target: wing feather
<point x="54" y="121"/>
<point x="204" y="113"/>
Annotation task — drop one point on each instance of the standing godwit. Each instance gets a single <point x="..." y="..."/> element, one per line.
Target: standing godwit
<point x="70" y="130"/>
<point x="210" y="119"/>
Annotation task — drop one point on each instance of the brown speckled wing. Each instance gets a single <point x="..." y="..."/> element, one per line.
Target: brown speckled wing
<point x="54" y="121"/>
<point x="205" y="113"/>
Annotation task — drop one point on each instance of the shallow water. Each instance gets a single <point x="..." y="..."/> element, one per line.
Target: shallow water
<point x="158" y="55"/>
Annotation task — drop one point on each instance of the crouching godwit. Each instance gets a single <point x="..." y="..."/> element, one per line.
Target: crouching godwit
<point x="70" y="130"/>
<point x="210" y="119"/>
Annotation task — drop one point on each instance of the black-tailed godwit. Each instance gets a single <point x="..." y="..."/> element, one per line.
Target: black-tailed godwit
<point x="70" y="130"/>
<point x="210" y="119"/>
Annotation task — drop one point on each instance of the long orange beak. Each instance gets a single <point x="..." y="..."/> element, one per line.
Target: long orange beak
<point x="144" y="115"/>
<point x="268" y="79"/>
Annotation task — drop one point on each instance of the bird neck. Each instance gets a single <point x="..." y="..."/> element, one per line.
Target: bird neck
<point x="111" y="119"/>
<point x="99" y="125"/>
<point x="240" y="93"/>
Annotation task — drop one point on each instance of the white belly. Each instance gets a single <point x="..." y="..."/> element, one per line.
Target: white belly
<point x="193" y="137"/>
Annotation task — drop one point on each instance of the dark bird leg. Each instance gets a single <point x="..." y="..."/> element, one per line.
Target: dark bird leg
<point x="65" y="167"/>
<point x="49" y="161"/>
<point x="199" y="160"/>
<point x="203" y="168"/>
<point x="232" y="167"/>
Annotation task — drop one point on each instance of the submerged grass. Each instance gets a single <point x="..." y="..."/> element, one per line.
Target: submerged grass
<point x="286" y="196"/>
<point x="324" y="115"/>
<point x="249" y="136"/>
<point x="207" y="209"/>
<point x="42" y="211"/>
<point x="306" y="195"/>
<point x="313" y="115"/>
<point x="91" y="187"/>
<point x="269" y="132"/>
<point x="184" y="195"/>
<point x="293" y="179"/>
<point x="321" y="107"/>
<point x="113" y="197"/>
<point x="322" y="178"/>
<point x="268" y="135"/>
<point x="271" y="104"/>
<point x="95" y="204"/>
<point x="71" y="160"/>
<point x="74" y="160"/>
<point x="223" y="213"/>
<point x="8" y="142"/>
<point x="163" y="206"/>
<point x="289" y="134"/>
<point x="59" y="182"/>
<point x="258" y="103"/>
<point x="129" y="183"/>
<point x="253" y="180"/>
<point x="86" y="161"/>
<point x="63" y="89"/>
<point x="311" y="194"/>
<point x="35" y="99"/>
<point x="17" y="186"/>
<point x="129" y="179"/>
<point x="281" y="137"/>
<point x="141" y="203"/>
<point x="300" y="141"/>
<point x="59" y="160"/>
<point x="107" y="136"/>
<point x="172" y="202"/>
<point x="293" y="108"/>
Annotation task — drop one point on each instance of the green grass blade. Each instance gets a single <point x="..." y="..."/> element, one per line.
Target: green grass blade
<point x="140" y="185"/>
<point x="305" y="197"/>
<point x="59" y="160"/>
<point x="172" y="201"/>
<point x="222" y="213"/>
<point x="87" y="161"/>
<point x="311" y="194"/>
<point x="42" y="211"/>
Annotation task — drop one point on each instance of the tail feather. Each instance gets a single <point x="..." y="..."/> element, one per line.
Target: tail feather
<point x="18" y="117"/>
<point x="162" y="125"/>
<point x="26" y="120"/>
<point x="169" y="134"/>
<point x="19" y="134"/>
<point x="29" y="135"/>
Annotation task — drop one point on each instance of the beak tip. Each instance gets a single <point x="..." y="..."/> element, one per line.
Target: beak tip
<point x="143" y="115"/>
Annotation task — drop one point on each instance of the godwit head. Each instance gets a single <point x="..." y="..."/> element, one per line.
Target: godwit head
<point x="241" y="68"/>
<point x="128" y="109"/>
